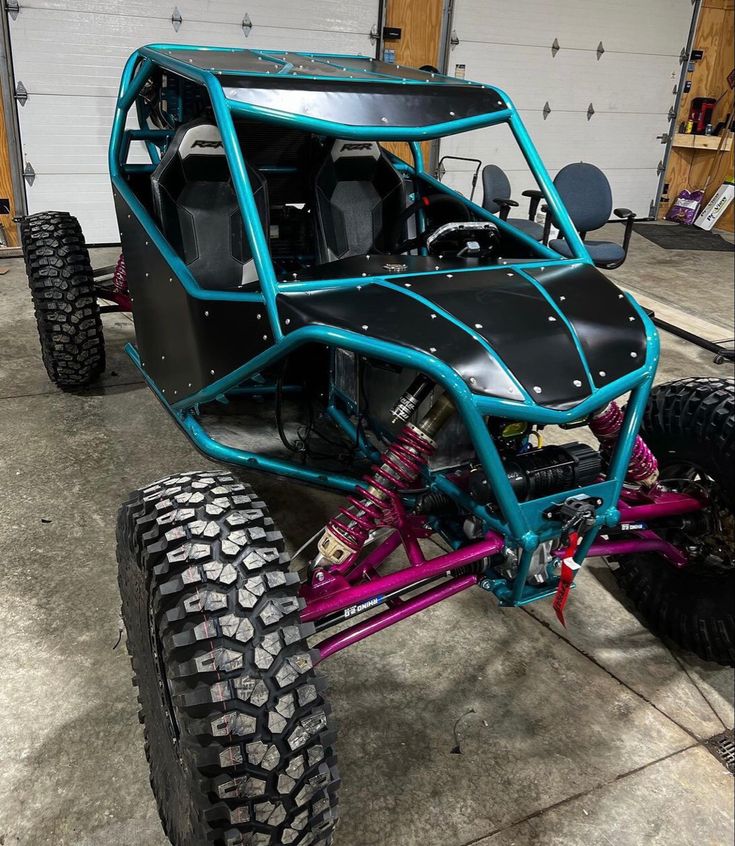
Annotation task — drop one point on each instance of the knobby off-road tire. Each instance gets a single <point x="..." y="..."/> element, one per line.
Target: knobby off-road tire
<point x="62" y="288"/>
<point x="237" y="728"/>
<point x="691" y="423"/>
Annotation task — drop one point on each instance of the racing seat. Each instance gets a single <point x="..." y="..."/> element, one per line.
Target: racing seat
<point x="359" y="196"/>
<point x="197" y="209"/>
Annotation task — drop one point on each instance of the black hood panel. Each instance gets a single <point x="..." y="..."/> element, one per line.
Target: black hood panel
<point x="465" y="318"/>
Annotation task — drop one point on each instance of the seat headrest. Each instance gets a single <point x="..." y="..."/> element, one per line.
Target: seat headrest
<point x="345" y="149"/>
<point x="200" y="139"/>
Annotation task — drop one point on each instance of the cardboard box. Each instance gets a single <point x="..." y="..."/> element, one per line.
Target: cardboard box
<point x="715" y="208"/>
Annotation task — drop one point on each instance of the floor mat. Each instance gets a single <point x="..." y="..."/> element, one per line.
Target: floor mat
<point x="676" y="236"/>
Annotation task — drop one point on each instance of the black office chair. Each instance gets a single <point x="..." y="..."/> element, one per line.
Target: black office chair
<point x="496" y="199"/>
<point x="586" y="193"/>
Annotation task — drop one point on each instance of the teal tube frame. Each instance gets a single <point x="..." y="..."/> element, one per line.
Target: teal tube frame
<point x="521" y="522"/>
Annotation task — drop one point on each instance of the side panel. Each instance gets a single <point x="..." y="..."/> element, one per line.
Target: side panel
<point x="184" y="343"/>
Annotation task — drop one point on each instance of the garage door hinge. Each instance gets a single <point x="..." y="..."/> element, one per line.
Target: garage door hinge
<point x="176" y="19"/>
<point x="374" y="34"/>
<point x="547" y="109"/>
<point x="660" y="168"/>
<point x="600" y="51"/>
<point x="683" y="56"/>
<point x="664" y="138"/>
<point x="246" y="24"/>
<point x="21" y="95"/>
<point x="454" y="39"/>
<point x="555" y="47"/>
<point x="29" y="174"/>
<point x="672" y="114"/>
<point x="13" y="8"/>
<point x="590" y="111"/>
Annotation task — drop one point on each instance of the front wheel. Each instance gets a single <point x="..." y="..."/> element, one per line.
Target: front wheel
<point x="237" y="727"/>
<point x="690" y="426"/>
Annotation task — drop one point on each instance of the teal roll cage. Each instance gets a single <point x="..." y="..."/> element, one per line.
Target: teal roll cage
<point x="521" y="522"/>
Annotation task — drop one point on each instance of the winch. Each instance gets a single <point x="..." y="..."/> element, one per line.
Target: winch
<point x="543" y="471"/>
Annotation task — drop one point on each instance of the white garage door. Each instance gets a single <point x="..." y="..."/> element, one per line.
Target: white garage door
<point x="512" y="44"/>
<point x="69" y="54"/>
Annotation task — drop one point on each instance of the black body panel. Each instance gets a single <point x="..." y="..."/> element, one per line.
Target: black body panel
<point x="364" y="103"/>
<point x="609" y="329"/>
<point x="500" y="309"/>
<point x="184" y="343"/>
<point x="381" y="265"/>
<point x="389" y="315"/>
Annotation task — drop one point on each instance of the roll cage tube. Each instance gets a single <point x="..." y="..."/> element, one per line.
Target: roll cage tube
<point x="138" y="71"/>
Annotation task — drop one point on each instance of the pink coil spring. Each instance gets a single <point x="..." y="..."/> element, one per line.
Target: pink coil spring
<point x="120" y="277"/>
<point x="643" y="466"/>
<point x="400" y="466"/>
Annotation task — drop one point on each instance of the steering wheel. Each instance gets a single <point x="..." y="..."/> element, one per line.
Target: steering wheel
<point x="435" y="205"/>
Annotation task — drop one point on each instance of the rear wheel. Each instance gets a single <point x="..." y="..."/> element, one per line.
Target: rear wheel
<point x="62" y="288"/>
<point x="237" y="727"/>
<point x="690" y="426"/>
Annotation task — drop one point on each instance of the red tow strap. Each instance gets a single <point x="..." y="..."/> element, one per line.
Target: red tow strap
<point x="569" y="568"/>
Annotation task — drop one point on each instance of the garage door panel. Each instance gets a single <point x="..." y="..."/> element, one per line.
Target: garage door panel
<point x="79" y="146"/>
<point x="574" y="80"/>
<point x="564" y="138"/>
<point x="56" y="51"/>
<point x="87" y="196"/>
<point x="328" y="15"/>
<point x="628" y="26"/>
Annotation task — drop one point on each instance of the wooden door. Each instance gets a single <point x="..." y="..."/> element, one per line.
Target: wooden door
<point x="7" y="206"/>
<point x="420" y="22"/>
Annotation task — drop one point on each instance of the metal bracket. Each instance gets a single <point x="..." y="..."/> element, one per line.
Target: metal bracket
<point x="546" y="109"/>
<point x="660" y="168"/>
<point x="683" y="56"/>
<point x="600" y="51"/>
<point x="672" y="113"/>
<point x="590" y="111"/>
<point x="555" y="47"/>
<point x="374" y="34"/>
<point x="21" y="94"/>
<point x="12" y="7"/>
<point x="454" y="39"/>
<point x="29" y="174"/>
<point x="664" y="137"/>
<point x="246" y="24"/>
<point x="176" y="19"/>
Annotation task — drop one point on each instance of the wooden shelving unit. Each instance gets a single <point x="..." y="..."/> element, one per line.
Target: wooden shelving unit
<point x="702" y="142"/>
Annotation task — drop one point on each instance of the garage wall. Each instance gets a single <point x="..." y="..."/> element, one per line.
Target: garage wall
<point x="631" y="85"/>
<point x="69" y="55"/>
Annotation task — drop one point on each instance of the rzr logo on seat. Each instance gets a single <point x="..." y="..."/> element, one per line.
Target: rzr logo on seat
<point x="200" y="142"/>
<point x="363" y="146"/>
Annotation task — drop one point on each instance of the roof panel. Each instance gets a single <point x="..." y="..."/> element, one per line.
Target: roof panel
<point x="347" y="92"/>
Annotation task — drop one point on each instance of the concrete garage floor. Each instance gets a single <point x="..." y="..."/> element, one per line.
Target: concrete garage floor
<point x="586" y="737"/>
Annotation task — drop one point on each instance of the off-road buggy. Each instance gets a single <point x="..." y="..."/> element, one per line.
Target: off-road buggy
<point x="412" y="350"/>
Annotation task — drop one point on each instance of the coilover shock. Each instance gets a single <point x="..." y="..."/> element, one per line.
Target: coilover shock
<point x="605" y="426"/>
<point x="398" y="469"/>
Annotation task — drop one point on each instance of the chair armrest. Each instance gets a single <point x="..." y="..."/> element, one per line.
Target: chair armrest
<point x="625" y="213"/>
<point x="506" y="204"/>
<point x="535" y="196"/>
<point x="547" y="224"/>
<point x="629" y="218"/>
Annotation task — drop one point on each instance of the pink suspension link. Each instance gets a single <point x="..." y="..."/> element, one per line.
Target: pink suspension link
<point x="605" y="426"/>
<point x="373" y="505"/>
<point x="120" y="277"/>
